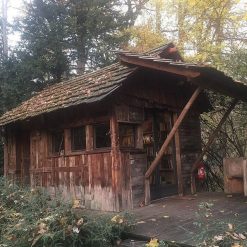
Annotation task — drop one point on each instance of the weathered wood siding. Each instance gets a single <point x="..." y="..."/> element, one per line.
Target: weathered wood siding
<point x="109" y="179"/>
<point x="10" y="156"/>
<point x="190" y="141"/>
<point x="86" y="177"/>
<point x="138" y="163"/>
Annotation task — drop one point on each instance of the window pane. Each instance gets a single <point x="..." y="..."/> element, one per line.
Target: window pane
<point x="78" y="139"/>
<point x="127" y="135"/>
<point x="102" y="135"/>
<point x="57" y="141"/>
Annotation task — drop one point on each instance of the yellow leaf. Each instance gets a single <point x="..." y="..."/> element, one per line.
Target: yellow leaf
<point x="153" y="243"/>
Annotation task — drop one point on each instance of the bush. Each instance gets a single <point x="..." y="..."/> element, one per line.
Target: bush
<point x="30" y="217"/>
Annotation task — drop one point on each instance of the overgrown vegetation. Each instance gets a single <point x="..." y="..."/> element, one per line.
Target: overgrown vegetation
<point x="221" y="233"/>
<point x="30" y="217"/>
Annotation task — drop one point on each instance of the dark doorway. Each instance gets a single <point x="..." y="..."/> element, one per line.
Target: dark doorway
<point x="156" y="127"/>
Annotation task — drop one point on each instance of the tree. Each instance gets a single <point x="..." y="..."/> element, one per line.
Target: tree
<point x="44" y="33"/>
<point x="148" y="34"/>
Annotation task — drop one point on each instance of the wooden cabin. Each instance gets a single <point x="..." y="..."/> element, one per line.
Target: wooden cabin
<point x="95" y="137"/>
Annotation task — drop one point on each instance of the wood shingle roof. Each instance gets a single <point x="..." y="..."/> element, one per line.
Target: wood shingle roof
<point x="87" y="88"/>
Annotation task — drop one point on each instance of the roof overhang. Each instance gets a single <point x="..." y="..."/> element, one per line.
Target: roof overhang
<point x="201" y="75"/>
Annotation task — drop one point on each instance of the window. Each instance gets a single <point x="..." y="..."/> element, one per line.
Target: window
<point x="102" y="137"/>
<point x="78" y="139"/>
<point x="57" y="139"/>
<point x="127" y="135"/>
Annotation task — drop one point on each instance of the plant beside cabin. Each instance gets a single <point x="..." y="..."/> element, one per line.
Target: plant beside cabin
<point x="30" y="217"/>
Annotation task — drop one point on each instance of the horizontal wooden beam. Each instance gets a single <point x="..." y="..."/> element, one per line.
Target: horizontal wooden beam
<point x="162" y="66"/>
<point x="209" y="143"/>
<point x="172" y="132"/>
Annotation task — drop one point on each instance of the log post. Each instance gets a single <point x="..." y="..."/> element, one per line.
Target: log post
<point x="178" y="160"/>
<point x="209" y="143"/>
<point x="167" y="142"/>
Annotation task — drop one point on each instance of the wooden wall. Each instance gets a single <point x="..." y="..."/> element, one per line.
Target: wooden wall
<point x="190" y="142"/>
<point x="108" y="179"/>
<point x="91" y="176"/>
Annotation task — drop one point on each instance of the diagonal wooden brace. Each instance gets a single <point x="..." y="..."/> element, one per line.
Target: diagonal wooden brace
<point x="167" y="142"/>
<point x="209" y="143"/>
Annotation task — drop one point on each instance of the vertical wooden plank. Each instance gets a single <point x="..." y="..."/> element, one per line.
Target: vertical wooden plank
<point x="178" y="159"/>
<point x="89" y="137"/>
<point x="6" y="157"/>
<point x="139" y="137"/>
<point x="67" y="141"/>
<point x="147" y="191"/>
<point x="116" y="161"/>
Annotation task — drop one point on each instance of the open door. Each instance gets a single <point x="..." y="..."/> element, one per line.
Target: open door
<point x="23" y="157"/>
<point x="157" y="126"/>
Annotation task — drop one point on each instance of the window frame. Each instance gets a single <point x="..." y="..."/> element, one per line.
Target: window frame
<point x="72" y="149"/>
<point x="95" y="136"/>
<point x="61" y="150"/>
<point x="134" y="129"/>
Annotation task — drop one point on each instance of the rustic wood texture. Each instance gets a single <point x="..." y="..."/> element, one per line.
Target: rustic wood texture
<point x="173" y="131"/>
<point x="109" y="179"/>
<point x="191" y="147"/>
<point x="234" y="169"/>
<point x="178" y="160"/>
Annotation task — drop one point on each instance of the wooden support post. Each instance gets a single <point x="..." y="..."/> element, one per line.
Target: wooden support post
<point x="147" y="191"/>
<point x="116" y="162"/>
<point x="167" y="142"/>
<point x="172" y="132"/>
<point x="209" y="143"/>
<point x="178" y="160"/>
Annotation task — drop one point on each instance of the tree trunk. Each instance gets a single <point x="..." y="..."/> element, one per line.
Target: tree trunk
<point x="4" y="28"/>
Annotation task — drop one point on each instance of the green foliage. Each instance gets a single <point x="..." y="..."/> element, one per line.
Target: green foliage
<point x="30" y="217"/>
<point x="220" y="233"/>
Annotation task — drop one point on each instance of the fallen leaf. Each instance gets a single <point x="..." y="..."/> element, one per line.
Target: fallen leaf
<point x="166" y="216"/>
<point x="230" y="226"/>
<point x="242" y="236"/>
<point x="141" y="222"/>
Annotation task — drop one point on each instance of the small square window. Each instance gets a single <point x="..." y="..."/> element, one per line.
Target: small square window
<point x="57" y="139"/>
<point x="127" y="134"/>
<point x="102" y="135"/>
<point x="78" y="139"/>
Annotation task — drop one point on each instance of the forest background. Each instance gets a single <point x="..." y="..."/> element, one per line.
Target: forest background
<point x="58" y="39"/>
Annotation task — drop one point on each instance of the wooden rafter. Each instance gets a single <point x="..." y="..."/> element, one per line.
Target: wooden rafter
<point x="209" y="143"/>
<point x="159" y="66"/>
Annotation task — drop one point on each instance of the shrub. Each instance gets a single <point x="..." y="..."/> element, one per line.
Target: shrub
<point x="30" y="217"/>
